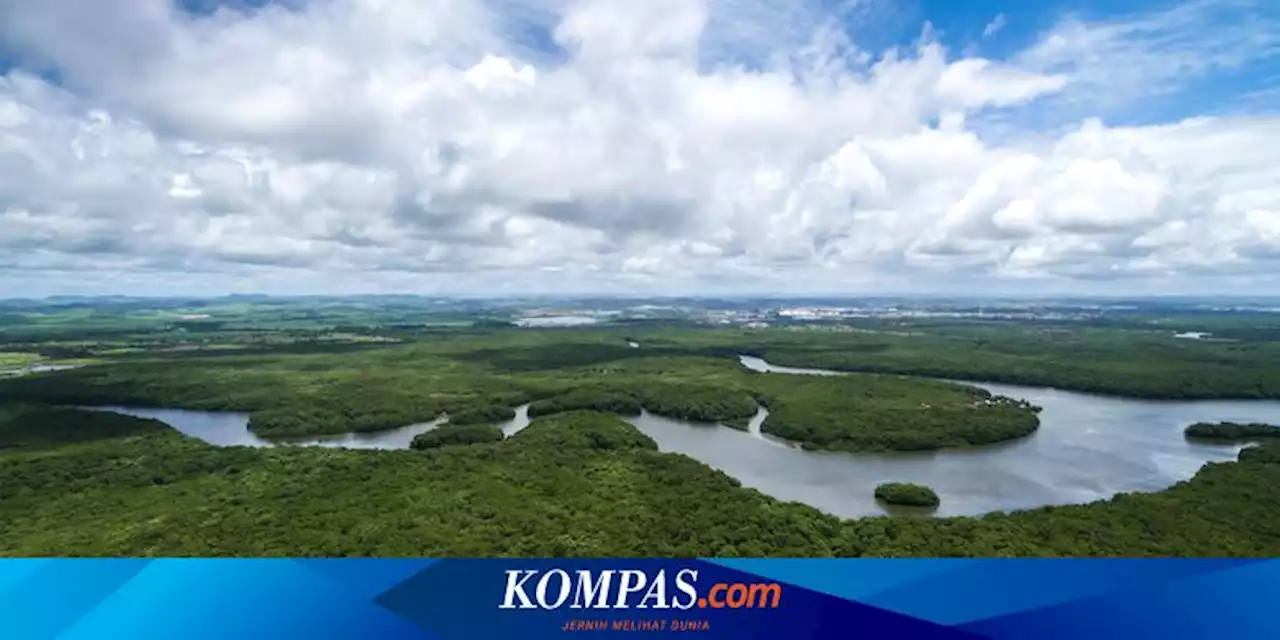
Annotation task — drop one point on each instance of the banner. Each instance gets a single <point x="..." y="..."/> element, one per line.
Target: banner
<point x="465" y="599"/>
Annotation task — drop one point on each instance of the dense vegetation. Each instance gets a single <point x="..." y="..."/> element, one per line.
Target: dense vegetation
<point x="1111" y="362"/>
<point x="1232" y="430"/>
<point x="698" y="403"/>
<point x="871" y="413"/>
<point x="571" y="484"/>
<point x="536" y="494"/>
<point x="487" y="414"/>
<point x="583" y="430"/>
<point x="1268" y="452"/>
<point x="575" y="482"/>
<point x="388" y="375"/>
<point x="396" y="385"/>
<point x="332" y="416"/>
<point x="28" y="427"/>
<point x="594" y="398"/>
<point x="1127" y="351"/>
<point x="907" y="495"/>
<point x="285" y="395"/>
<point x="457" y="434"/>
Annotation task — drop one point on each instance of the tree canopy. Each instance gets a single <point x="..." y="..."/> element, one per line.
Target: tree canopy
<point x="573" y="484"/>
<point x="906" y="494"/>
<point x="457" y="434"/>
<point x="1232" y="430"/>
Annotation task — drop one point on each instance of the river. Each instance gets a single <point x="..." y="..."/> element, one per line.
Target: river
<point x="1088" y="447"/>
<point x="228" y="429"/>
<point x="36" y="368"/>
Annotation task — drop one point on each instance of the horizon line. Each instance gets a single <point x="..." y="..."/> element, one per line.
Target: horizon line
<point x="664" y="296"/>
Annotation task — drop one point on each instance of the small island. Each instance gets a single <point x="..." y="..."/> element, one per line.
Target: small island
<point x="1232" y="431"/>
<point x="907" y="495"/>
<point x="457" y="434"/>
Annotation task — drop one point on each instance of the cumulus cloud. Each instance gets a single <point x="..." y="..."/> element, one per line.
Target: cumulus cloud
<point x="549" y="145"/>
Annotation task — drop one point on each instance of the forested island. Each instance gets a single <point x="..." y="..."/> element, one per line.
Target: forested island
<point x="458" y="434"/>
<point x="907" y="495"/>
<point x="885" y="413"/>
<point x="1232" y="431"/>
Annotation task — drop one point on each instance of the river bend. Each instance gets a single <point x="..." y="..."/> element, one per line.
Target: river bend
<point x="1088" y="447"/>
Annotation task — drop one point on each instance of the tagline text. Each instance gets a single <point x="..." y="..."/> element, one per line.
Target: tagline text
<point x="636" y="625"/>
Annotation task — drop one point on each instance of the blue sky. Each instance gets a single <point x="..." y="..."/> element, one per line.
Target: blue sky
<point x="1001" y="29"/>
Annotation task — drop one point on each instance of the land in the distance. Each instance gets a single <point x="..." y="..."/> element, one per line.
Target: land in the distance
<point x="579" y="480"/>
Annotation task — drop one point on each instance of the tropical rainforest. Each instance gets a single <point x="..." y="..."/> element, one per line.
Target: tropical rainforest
<point x="457" y="434"/>
<point x="1232" y="430"/>
<point x="479" y="379"/>
<point x="907" y="494"/>
<point x="579" y="480"/>
<point x="84" y="483"/>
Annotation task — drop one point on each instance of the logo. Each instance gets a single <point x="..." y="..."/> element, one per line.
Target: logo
<point x="631" y="589"/>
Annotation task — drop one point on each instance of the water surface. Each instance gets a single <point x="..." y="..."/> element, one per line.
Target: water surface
<point x="227" y="429"/>
<point x="36" y="368"/>
<point x="1088" y="447"/>
<point x="556" y="321"/>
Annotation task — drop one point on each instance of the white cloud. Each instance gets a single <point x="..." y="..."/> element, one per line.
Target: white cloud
<point x="384" y="144"/>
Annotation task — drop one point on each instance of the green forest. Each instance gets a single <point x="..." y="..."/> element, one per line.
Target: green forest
<point x="887" y="413"/>
<point x="595" y="398"/>
<point x="1107" y="362"/>
<point x="480" y="379"/>
<point x="580" y="483"/>
<point x="1268" y="452"/>
<point x="579" y="480"/>
<point x="457" y="434"/>
<point x="481" y="415"/>
<point x="907" y="494"/>
<point x="1232" y="430"/>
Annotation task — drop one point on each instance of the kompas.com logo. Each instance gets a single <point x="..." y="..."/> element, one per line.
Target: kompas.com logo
<point x="631" y="589"/>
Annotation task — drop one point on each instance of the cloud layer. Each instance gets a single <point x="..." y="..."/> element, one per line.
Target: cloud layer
<point x="613" y="145"/>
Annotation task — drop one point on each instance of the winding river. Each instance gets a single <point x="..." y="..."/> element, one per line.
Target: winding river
<point x="228" y="429"/>
<point x="1087" y="448"/>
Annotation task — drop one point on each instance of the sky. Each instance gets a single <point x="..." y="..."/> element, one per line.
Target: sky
<point x="203" y="147"/>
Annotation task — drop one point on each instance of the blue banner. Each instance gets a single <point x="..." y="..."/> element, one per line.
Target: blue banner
<point x="551" y="598"/>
